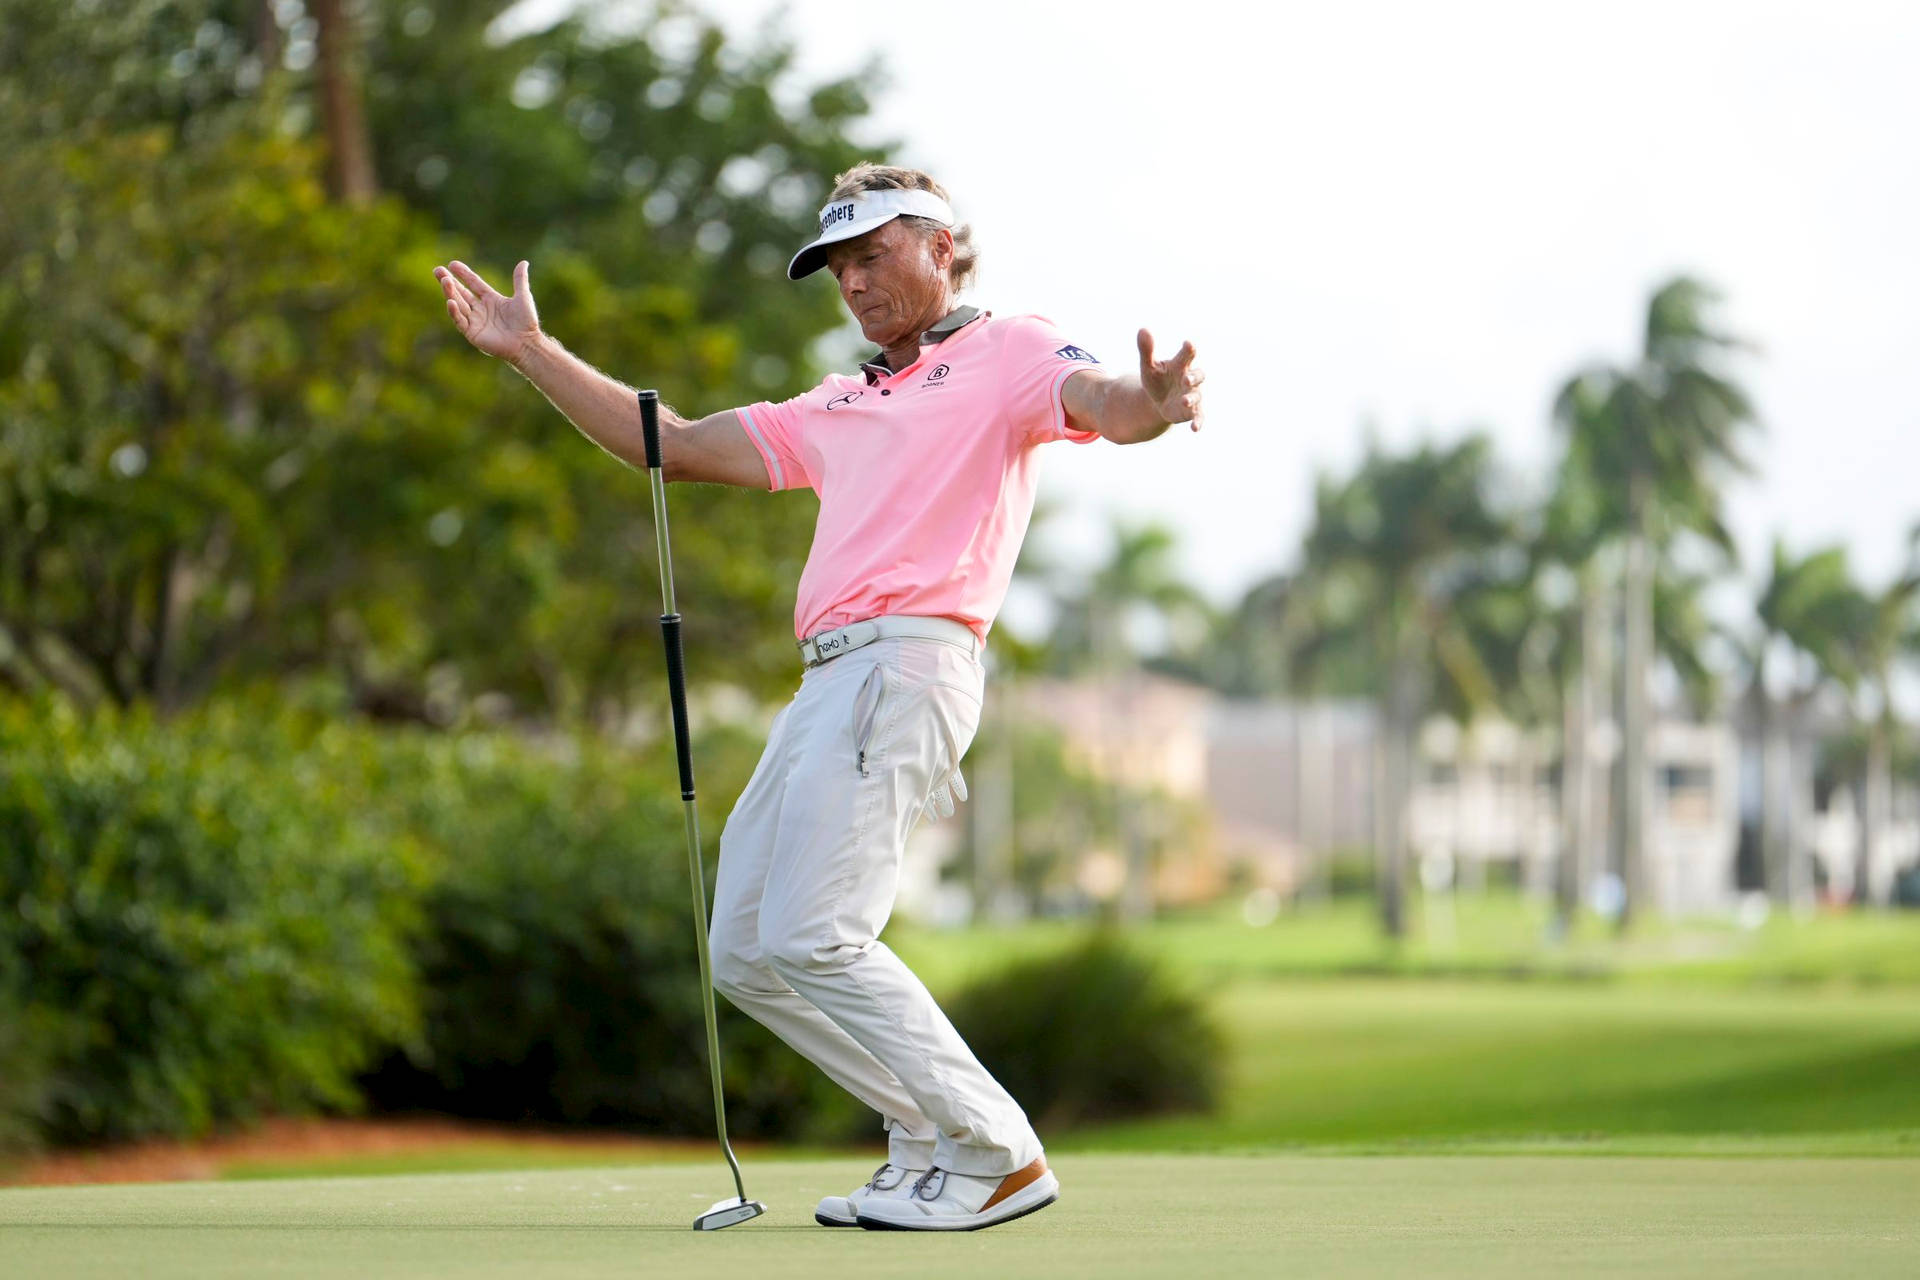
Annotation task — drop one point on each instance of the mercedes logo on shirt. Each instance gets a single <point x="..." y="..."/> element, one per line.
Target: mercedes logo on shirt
<point x="847" y="397"/>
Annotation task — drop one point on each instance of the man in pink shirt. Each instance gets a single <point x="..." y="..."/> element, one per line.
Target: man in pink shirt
<point x="925" y="462"/>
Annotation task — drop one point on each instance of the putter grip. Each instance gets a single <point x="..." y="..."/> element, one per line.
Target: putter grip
<point x="677" y="685"/>
<point x="650" y="426"/>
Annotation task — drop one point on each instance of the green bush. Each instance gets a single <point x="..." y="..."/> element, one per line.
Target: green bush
<point x="232" y="914"/>
<point x="1098" y="1032"/>
<point x="190" y="932"/>
<point x="560" y="973"/>
<point x="1351" y="873"/>
<point x="238" y="913"/>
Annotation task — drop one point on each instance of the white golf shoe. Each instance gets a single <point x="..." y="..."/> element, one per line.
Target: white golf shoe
<point x="943" y="1201"/>
<point x="843" y="1211"/>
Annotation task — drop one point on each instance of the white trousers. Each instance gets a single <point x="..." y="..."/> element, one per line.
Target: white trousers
<point x="809" y="866"/>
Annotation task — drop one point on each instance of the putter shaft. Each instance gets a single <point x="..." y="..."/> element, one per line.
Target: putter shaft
<point x="682" y="741"/>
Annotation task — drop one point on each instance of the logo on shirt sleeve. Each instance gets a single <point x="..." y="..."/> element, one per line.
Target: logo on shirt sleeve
<point x="1076" y="353"/>
<point x="845" y="398"/>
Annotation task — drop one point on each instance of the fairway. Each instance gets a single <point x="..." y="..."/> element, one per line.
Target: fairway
<point x="1119" y="1215"/>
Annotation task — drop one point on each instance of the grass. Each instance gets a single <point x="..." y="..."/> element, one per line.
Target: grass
<point x="1494" y="935"/>
<point x="1119" y="1216"/>
<point x="1741" y="1102"/>
<point x="1479" y="1033"/>
<point x="1385" y="1065"/>
<point x="1702" y="1038"/>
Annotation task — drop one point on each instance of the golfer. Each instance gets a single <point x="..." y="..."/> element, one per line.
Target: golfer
<point x="925" y="460"/>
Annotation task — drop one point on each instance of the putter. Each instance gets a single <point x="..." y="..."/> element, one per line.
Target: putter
<point x="724" y="1213"/>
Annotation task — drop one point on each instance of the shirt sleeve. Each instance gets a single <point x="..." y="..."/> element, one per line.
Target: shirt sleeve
<point x="775" y="432"/>
<point x="1036" y="361"/>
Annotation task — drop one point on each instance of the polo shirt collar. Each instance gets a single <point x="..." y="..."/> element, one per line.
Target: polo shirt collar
<point x="954" y="321"/>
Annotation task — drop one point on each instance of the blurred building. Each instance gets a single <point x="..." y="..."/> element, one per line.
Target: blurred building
<point x="1290" y="788"/>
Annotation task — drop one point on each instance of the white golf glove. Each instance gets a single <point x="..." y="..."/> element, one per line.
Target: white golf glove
<point x="945" y="793"/>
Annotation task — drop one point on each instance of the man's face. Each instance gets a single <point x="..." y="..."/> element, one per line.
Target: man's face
<point x="892" y="278"/>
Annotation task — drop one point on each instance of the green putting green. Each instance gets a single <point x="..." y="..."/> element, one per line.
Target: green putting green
<point x="1119" y="1215"/>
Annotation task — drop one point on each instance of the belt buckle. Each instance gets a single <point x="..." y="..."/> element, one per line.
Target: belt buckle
<point x="828" y="645"/>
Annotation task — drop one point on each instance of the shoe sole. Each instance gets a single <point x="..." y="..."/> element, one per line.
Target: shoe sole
<point x="825" y="1221"/>
<point x="879" y="1224"/>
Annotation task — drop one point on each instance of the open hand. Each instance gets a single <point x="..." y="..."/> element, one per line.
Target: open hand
<point x="499" y="325"/>
<point x="1172" y="385"/>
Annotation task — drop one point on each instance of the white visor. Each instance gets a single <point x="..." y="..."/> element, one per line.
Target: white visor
<point x="859" y="214"/>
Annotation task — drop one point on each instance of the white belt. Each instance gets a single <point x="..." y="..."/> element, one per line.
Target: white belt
<point x="824" y="646"/>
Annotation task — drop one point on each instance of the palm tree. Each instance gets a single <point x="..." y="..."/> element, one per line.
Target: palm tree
<point x="1141" y="582"/>
<point x="1568" y="650"/>
<point x="1654" y="437"/>
<point x="1806" y="612"/>
<point x="1393" y="553"/>
<point x="992" y="832"/>
<point x="1884" y="633"/>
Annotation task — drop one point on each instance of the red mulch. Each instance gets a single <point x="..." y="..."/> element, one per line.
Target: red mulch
<point x="173" y="1161"/>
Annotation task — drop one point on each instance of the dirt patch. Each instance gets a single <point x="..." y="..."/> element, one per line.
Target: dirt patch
<point x="286" y="1140"/>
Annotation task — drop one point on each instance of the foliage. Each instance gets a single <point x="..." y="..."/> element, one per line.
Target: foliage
<point x="185" y="946"/>
<point x="1247" y="655"/>
<point x="1392" y="551"/>
<point x="237" y="439"/>
<point x="1407" y="568"/>
<point x="1060" y="809"/>
<point x="1098" y="1032"/>
<point x="1139" y="587"/>
<point x="1655" y="438"/>
<point x="559" y="964"/>
<point x="200" y="460"/>
<point x="239" y="913"/>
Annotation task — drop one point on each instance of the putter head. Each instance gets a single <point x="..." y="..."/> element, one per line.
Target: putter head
<point x="728" y="1213"/>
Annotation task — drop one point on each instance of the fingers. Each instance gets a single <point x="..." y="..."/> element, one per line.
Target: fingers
<point x="452" y="288"/>
<point x="520" y="287"/>
<point x="459" y="301"/>
<point x="1176" y="381"/>
<point x="467" y="276"/>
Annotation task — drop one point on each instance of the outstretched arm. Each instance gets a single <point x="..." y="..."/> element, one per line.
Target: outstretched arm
<point x="714" y="448"/>
<point x="1130" y="409"/>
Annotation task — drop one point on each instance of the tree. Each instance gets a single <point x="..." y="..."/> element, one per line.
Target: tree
<point x="1883" y="633"/>
<point x="1390" y="561"/>
<point x="1140" y="583"/>
<point x="350" y="174"/>
<point x="1655" y="438"/>
<point x="1806" y="613"/>
<point x="237" y="439"/>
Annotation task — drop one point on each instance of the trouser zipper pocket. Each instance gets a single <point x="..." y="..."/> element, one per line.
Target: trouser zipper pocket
<point x="866" y="715"/>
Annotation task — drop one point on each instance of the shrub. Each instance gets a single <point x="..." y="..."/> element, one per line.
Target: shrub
<point x="561" y="978"/>
<point x="190" y="933"/>
<point x="1096" y="1033"/>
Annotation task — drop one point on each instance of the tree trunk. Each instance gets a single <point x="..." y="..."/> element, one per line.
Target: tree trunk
<point x="1776" y="785"/>
<point x="1800" y="811"/>
<point x="1636" y="724"/>
<point x="1400" y="724"/>
<point x="1575" y="731"/>
<point x="266" y="36"/>
<point x="1597" y="665"/>
<point x="1868" y="884"/>
<point x="350" y="176"/>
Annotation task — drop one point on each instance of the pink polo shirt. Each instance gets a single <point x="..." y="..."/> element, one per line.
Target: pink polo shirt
<point x="926" y="477"/>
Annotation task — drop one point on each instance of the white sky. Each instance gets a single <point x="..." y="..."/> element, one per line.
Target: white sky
<point x="1425" y="216"/>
